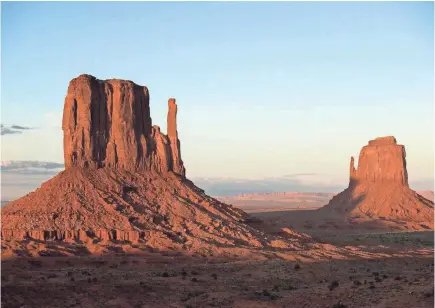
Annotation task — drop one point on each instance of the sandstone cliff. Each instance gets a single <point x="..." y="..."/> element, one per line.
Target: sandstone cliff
<point x="381" y="161"/>
<point x="108" y="124"/>
<point x="378" y="188"/>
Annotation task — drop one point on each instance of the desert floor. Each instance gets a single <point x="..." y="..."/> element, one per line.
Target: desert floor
<point x="298" y="211"/>
<point x="287" y="201"/>
<point x="398" y="272"/>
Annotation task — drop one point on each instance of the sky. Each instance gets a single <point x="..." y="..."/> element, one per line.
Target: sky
<point x="264" y="90"/>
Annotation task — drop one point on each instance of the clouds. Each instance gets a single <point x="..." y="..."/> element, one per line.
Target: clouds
<point x="22" y="177"/>
<point x="38" y="143"/>
<point x="31" y="167"/>
<point x="20" y="127"/>
<point x="14" y="129"/>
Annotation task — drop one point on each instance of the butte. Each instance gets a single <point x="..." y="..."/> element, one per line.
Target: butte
<point x="378" y="189"/>
<point x="377" y="198"/>
<point x="124" y="182"/>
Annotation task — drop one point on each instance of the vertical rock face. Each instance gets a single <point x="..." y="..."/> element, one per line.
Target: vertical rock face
<point x="108" y="124"/>
<point x="177" y="163"/>
<point x="381" y="161"/>
<point x="378" y="188"/>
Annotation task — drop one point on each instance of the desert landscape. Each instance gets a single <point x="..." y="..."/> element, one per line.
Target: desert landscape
<point x="288" y="201"/>
<point x="217" y="154"/>
<point x="122" y="226"/>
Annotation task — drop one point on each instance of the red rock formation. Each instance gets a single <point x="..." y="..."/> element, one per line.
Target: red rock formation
<point x="381" y="161"/>
<point x="177" y="163"/>
<point x="108" y="124"/>
<point x="124" y="181"/>
<point x="378" y="188"/>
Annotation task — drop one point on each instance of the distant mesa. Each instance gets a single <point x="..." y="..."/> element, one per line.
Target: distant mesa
<point x="379" y="188"/>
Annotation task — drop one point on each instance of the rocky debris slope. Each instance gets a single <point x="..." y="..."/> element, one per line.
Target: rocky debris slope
<point x="378" y="188"/>
<point x="114" y="204"/>
<point x="125" y="182"/>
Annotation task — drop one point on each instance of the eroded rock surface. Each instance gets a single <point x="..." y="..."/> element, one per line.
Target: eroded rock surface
<point x="379" y="188"/>
<point x="381" y="161"/>
<point x="125" y="181"/>
<point x="108" y="124"/>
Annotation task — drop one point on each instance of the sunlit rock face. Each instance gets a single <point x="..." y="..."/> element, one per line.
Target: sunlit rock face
<point x="107" y="123"/>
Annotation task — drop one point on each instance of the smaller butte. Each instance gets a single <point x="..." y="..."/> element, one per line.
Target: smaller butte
<point x="378" y="188"/>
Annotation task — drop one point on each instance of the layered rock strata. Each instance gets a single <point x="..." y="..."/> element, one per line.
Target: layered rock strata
<point x="381" y="161"/>
<point x="379" y="188"/>
<point x="108" y="124"/>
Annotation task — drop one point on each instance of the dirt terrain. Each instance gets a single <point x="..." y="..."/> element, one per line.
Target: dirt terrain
<point x="288" y="201"/>
<point x="383" y="270"/>
<point x="268" y="202"/>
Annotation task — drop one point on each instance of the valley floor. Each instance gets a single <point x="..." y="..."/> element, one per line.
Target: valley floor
<point x="397" y="273"/>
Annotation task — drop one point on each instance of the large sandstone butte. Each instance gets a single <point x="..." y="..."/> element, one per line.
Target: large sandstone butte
<point x="108" y="124"/>
<point x="124" y="181"/>
<point x="378" y="188"/>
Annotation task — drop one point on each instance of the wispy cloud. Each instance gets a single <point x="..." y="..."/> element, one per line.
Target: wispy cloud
<point x="14" y="129"/>
<point x="31" y="167"/>
<point x="21" y="177"/>
<point x="20" y="127"/>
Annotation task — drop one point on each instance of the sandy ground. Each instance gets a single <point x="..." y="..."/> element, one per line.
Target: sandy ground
<point x="301" y="212"/>
<point x="287" y="201"/>
<point x="390" y="270"/>
<point x="270" y="202"/>
<point x="314" y="222"/>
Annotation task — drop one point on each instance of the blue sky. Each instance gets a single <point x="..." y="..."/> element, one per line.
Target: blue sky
<point x="264" y="89"/>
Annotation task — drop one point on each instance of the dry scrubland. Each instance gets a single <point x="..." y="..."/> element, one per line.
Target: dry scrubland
<point x="395" y="271"/>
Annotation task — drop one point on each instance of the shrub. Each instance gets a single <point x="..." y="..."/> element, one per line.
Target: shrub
<point x="334" y="284"/>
